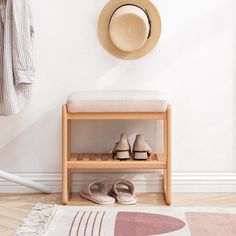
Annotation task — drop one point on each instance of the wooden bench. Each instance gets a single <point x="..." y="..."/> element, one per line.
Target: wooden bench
<point x="105" y="161"/>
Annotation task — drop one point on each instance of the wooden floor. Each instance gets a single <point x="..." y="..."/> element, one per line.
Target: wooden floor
<point x="13" y="208"/>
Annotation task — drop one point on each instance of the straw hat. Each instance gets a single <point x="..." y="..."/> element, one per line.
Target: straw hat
<point x="129" y="29"/>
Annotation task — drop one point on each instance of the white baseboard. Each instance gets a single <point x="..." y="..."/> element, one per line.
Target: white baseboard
<point x="144" y="182"/>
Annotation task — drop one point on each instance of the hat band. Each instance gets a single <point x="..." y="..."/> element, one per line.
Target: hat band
<point x="144" y="10"/>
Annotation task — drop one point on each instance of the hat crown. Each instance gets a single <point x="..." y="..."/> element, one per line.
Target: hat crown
<point x="129" y="28"/>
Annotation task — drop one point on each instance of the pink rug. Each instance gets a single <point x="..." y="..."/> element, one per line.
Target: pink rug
<point x="48" y="220"/>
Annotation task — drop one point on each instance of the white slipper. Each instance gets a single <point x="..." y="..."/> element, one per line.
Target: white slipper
<point x="123" y="191"/>
<point x="96" y="192"/>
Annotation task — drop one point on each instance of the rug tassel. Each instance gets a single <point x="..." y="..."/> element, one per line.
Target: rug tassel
<point x="38" y="220"/>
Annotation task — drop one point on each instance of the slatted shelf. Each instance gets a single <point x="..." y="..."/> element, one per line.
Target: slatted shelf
<point x="106" y="161"/>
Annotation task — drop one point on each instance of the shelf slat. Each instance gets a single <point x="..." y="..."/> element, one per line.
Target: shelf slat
<point x="106" y="161"/>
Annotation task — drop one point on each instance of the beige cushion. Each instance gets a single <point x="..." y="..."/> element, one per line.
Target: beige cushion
<point x="117" y="101"/>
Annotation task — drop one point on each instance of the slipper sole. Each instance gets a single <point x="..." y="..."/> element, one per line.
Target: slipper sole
<point x="95" y="200"/>
<point x="121" y="202"/>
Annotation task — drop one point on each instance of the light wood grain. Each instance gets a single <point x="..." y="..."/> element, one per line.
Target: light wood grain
<point x="168" y="150"/>
<point x="105" y="161"/>
<point x="117" y="116"/>
<point x="65" y="152"/>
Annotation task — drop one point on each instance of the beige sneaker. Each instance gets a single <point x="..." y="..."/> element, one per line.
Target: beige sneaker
<point x="122" y="149"/>
<point x="141" y="150"/>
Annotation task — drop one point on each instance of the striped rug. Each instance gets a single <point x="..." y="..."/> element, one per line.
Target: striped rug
<point x="49" y="220"/>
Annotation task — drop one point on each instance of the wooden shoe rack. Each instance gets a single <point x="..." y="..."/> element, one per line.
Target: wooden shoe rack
<point x="104" y="160"/>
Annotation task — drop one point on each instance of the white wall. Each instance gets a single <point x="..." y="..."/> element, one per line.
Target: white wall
<point x="194" y="63"/>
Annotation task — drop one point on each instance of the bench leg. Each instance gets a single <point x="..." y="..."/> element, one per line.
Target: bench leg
<point x="65" y="156"/>
<point x="167" y="150"/>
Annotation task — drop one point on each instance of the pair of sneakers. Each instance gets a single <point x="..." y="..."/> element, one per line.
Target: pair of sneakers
<point x="122" y="150"/>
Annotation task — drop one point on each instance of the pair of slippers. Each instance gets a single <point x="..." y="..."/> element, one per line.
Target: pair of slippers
<point x="121" y="191"/>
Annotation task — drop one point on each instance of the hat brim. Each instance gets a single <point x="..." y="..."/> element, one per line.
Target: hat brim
<point x="103" y="28"/>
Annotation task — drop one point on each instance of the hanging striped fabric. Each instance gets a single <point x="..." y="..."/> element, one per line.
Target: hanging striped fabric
<point x="16" y="55"/>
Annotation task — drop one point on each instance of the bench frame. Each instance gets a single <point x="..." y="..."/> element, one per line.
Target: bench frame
<point x="72" y="161"/>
